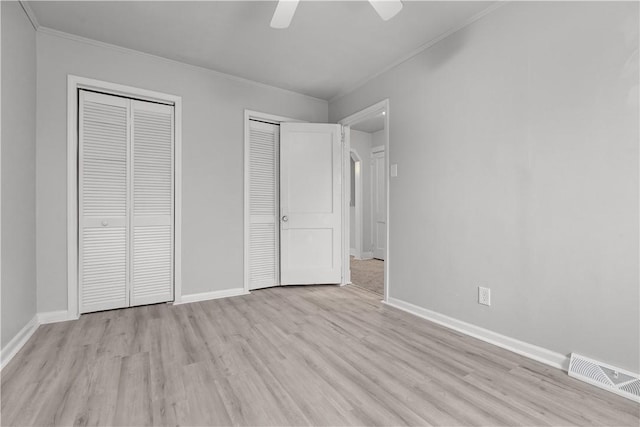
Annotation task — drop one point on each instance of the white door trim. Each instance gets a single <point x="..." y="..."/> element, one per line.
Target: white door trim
<point x="351" y="120"/>
<point x="73" y="84"/>
<point x="346" y="188"/>
<point x="358" y="223"/>
<point x="264" y="117"/>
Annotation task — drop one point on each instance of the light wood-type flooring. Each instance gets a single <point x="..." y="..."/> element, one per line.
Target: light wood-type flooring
<point x="368" y="274"/>
<point x="319" y="355"/>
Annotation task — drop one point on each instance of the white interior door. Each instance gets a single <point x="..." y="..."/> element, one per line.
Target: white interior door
<point x="379" y="212"/>
<point x="103" y="194"/>
<point x="263" y="164"/>
<point x="126" y="202"/>
<point x="310" y="203"/>
<point x="152" y="141"/>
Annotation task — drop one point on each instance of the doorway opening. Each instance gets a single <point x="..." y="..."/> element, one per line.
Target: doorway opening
<point x="368" y="202"/>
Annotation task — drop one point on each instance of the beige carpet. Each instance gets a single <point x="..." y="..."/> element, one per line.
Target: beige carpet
<point x="368" y="274"/>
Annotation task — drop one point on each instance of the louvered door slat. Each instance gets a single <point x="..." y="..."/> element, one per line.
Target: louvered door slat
<point x="263" y="205"/>
<point x="103" y="195"/>
<point x="152" y="242"/>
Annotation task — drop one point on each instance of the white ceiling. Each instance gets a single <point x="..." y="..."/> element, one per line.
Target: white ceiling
<point x="330" y="47"/>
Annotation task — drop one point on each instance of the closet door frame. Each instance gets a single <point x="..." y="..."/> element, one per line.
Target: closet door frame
<point x="74" y="84"/>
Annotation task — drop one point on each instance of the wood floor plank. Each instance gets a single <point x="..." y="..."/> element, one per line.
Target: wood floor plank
<point x="63" y="394"/>
<point x="205" y="406"/>
<point x="102" y="395"/>
<point x="133" y="405"/>
<point x="294" y="356"/>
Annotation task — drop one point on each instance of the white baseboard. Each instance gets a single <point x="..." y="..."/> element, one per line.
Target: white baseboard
<point x="55" y="317"/>
<point x="367" y="255"/>
<point x="21" y="338"/>
<point x="211" y="295"/>
<point x="353" y="252"/>
<point x="522" y="348"/>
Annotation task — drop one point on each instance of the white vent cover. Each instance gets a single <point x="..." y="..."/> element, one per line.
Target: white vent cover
<point x="605" y="376"/>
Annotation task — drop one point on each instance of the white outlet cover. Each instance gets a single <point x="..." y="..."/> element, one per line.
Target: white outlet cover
<point x="394" y="170"/>
<point x="484" y="295"/>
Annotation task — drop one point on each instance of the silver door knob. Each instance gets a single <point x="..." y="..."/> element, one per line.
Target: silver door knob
<point x="105" y="223"/>
<point x="285" y="218"/>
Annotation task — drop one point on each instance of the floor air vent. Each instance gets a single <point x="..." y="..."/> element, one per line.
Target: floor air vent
<point x="608" y="377"/>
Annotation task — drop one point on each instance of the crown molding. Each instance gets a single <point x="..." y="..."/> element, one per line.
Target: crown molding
<point x="30" y="14"/>
<point x="61" y="34"/>
<point x="484" y="12"/>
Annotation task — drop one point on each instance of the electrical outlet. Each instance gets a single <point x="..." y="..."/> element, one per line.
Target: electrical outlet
<point x="484" y="296"/>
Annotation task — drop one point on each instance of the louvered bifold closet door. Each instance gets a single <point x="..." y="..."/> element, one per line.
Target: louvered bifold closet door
<point x="103" y="207"/>
<point x="152" y="216"/>
<point x="264" y="259"/>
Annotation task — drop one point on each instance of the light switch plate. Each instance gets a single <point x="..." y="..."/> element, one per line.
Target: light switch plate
<point x="394" y="170"/>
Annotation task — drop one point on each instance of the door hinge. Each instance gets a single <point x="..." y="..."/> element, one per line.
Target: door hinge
<point x="342" y="135"/>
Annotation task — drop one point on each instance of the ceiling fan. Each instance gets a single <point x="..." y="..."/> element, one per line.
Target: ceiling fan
<point x="285" y="9"/>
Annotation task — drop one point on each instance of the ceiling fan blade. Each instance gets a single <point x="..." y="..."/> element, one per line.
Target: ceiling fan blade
<point x="387" y="9"/>
<point x="284" y="13"/>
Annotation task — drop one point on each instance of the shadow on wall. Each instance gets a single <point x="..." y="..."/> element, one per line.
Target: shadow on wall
<point x="445" y="49"/>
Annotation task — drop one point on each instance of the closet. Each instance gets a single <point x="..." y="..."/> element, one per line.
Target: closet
<point x="125" y="201"/>
<point x="293" y="196"/>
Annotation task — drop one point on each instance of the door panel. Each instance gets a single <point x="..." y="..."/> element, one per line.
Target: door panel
<point x="310" y="203"/>
<point x="379" y="205"/>
<point x="152" y="220"/>
<point x="103" y="137"/>
<point x="311" y="168"/>
<point x="104" y="269"/>
<point x="316" y="241"/>
<point x="264" y="232"/>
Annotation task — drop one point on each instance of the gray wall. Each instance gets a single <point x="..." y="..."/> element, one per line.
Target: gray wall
<point x="377" y="138"/>
<point x="213" y="114"/>
<point x="361" y="144"/>
<point x="516" y="141"/>
<point x="18" y="170"/>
